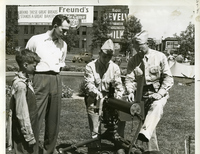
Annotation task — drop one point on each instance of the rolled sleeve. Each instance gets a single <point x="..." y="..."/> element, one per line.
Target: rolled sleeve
<point x="167" y="79"/>
<point x="130" y="83"/>
<point x="90" y="82"/>
<point x="119" y="90"/>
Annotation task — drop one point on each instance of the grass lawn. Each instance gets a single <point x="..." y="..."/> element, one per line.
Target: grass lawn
<point x="176" y="125"/>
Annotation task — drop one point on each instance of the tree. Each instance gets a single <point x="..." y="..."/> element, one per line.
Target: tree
<point x="71" y="38"/>
<point x="186" y="40"/>
<point x="152" y="43"/>
<point x="132" y="26"/>
<point x="100" y="32"/>
<point x="11" y="27"/>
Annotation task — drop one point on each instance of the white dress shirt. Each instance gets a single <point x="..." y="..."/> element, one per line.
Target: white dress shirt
<point x="52" y="53"/>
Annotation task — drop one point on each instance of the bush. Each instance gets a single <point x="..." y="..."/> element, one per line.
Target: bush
<point x="82" y="89"/>
<point x="11" y="68"/>
<point x="73" y="68"/>
<point x="66" y="91"/>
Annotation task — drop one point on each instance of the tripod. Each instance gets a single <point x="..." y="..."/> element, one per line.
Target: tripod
<point x="110" y="119"/>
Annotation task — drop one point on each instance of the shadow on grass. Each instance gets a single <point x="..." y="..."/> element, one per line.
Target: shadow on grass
<point x="106" y="148"/>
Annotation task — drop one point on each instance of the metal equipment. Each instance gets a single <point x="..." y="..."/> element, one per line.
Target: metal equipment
<point x="109" y="118"/>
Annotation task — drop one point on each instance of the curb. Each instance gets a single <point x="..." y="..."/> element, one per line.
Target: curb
<point x="62" y="73"/>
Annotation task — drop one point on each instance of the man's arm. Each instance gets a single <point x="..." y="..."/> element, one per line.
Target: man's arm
<point x="22" y="112"/>
<point x="64" y="54"/>
<point x="31" y="44"/>
<point x="90" y="83"/>
<point x="130" y="81"/>
<point x="167" y="80"/>
<point x="119" y="90"/>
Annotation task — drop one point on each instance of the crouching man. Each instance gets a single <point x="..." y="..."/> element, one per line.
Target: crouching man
<point x="99" y="74"/>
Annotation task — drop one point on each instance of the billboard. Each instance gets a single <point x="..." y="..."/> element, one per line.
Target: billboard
<point x="117" y="16"/>
<point x="43" y="14"/>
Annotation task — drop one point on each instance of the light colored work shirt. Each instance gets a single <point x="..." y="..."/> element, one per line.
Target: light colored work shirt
<point x="52" y="53"/>
<point x="98" y="78"/>
<point x="19" y="90"/>
<point x="156" y="72"/>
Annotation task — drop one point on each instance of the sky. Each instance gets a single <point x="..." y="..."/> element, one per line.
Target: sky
<point x="161" y="18"/>
<point x="163" y="21"/>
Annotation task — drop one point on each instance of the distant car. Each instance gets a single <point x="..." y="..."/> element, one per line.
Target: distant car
<point x="82" y="57"/>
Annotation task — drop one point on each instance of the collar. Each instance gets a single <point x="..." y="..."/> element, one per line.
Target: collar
<point x="49" y="37"/>
<point x="100" y="63"/>
<point x="22" y="77"/>
<point x="148" y="54"/>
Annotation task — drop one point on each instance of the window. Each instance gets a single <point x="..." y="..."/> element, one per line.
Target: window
<point x="32" y="29"/>
<point x="25" y="41"/>
<point x="25" y="29"/>
<point x="83" y="32"/>
<point x="95" y="15"/>
<point x="83" y="43"/>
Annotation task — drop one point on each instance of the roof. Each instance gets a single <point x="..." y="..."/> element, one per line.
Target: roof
<point x="170" y="39"/>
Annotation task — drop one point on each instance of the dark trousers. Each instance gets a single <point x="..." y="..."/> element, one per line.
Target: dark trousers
<point x="48" y="89"/>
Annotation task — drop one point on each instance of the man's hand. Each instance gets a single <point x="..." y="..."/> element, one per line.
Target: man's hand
<point x="156" y="96"/>
<point x="131" y="97"/>
<point x="32" y="142"/>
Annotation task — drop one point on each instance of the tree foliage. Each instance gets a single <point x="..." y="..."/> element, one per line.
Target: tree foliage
<point x="132" y="26"/>
<point x="100" y="31"/>
<point x="71" y="38"/>
<point x="186" y="40"/>
<point x="11" y="27"/>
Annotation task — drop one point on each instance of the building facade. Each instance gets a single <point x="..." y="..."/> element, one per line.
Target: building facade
<point x="170" y="44"/>
<point x="116" y="13"/>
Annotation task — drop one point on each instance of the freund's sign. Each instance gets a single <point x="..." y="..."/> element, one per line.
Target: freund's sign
<point x="43" y="15"/>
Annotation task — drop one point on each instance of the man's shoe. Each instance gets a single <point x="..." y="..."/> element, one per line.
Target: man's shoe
<point x="142" y="137"/>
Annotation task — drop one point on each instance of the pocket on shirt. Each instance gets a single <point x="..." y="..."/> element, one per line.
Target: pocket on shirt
<point x="154" y="72"/>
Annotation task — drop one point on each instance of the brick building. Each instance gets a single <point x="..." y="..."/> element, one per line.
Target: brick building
<point x="116" y="13"/>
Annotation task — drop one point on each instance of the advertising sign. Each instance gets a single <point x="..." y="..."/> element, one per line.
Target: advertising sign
<point x="43" y="14"/>
<point x="117" y="16"/>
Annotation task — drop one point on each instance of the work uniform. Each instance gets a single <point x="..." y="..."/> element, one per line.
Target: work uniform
<point x="47" y="84"/>
<point x="157" y="78"/>
<point x="100" y="75"/>
<point x="24" y="116"/>
<point x="98" y="78"/>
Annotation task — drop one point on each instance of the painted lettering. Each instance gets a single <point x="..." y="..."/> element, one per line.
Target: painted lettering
<point x="33" y="11"/>
<point x="73" y="10"/>
<point x="117" y="34"/>
<point x="117" y="16"/>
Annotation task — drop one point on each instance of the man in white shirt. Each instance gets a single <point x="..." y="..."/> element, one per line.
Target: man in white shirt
<point x="47" y="82"/>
